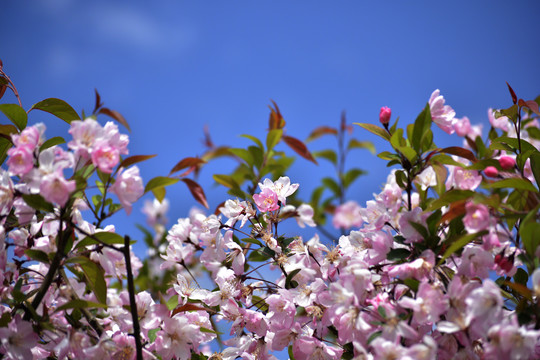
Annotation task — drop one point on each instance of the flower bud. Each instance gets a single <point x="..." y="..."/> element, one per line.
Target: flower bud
<point x="491" y="171"/>
<point x="507" y="162"/>
<point x="384" y="115"/>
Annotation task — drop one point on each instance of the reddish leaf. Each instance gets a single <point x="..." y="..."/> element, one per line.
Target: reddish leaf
<point x="457" y="208"/>
<point x="187" y="162"/>
<point x="217" y="211"/>
<point x="276" y="119"/>
<point x="531" y="104"/>
<point x="135" y="159"/>
<point x="98" y="102"/>
<point x="189" y="307"/>
<point x="197" y="191"/>
<point x="207" y="139"/>
<point x="514" y="97"/>
<point x="2" y="90"/>
<point x="320" y="131"/>
<point x="461" y="152"/>
<point x="116" y="116"/>
<point x="299" y="147"/>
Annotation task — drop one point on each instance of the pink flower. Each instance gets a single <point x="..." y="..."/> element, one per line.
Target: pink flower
<point x="442" y="115"/>
<point x="502" y="122"/>
<point x="477" y="217"/>
<point x="348" y="215"/>
<point x="384" y="115"/>
<point x="463" y="127"/>
<point x="407" y="230"/>
<point x="21" y="160"/>
<point x="128" y="187"/>
<point x="105" y="157"/>
<point x="17" y="339"/>
<point x="85" y="134"/>
<point x="282" y="187"/>
<point x="29" y="137"/>
<point x="267" y="200"/>
<point x="56" y="189"/>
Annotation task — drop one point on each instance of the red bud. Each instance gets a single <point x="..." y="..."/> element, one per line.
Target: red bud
<point x="384" y="115"/>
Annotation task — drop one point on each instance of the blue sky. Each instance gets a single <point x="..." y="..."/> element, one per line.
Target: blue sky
<point x="170" y="67"/>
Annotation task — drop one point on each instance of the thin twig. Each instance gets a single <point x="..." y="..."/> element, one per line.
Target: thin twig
<point x="132" y="304"/>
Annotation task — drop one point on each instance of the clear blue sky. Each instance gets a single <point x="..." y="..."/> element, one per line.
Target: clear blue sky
<point x="170" y="67"/>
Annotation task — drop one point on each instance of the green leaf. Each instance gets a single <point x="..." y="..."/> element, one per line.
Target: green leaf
<point x="422" y="126"/>
<point x="273" y="138"/>
<point x="243" y="154"/>
<point x="15" y="114"/>
<point x="159" y="182"/>
<point x="290" y="351"/>
<point x="400" y="144"/>
<point x="152" y="334"/>
<point x="332" y="185"/>
<point x="521" y="276"/>
<point x="57" y="140"/>
<point x="535" y="167"/>
<point x="37" y="202"/>
<point x="355" y="144"/>
<point x="37" y="255"/>
<point x="529" y="234"/>
<point x="513" y="183"/>
<point x="289" y="283"/>
<point x="58" y="108"/>
<point x="327" y="154"/>
<point x="80" y="304"/>
<point x="374" y="129"/>
<point x="450" y="197"/>
<point x="94" y="277"/>
<point x="226" y="181"/>
<point x="104" y="237"/>
<point x="512" y="143"/>
<point x="459" y="243"/>
<point x="398" y="254"/>
<point x="352" y="175"/>
<point x="255" y="140"/>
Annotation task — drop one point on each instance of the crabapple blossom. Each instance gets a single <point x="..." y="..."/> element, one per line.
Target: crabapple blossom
<point x="477" y="217"/>
<point x="128" y="187"/>
<point x="442" y="115"/>
<point x="282" y="187"/>
<point x="56" y="189"/>
<point x="347" y="215"/>
<point x="266" y="200"/>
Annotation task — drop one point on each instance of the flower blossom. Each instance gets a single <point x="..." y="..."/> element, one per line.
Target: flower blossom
<point x="441" y="114"/>
<point x="128" y="187"/>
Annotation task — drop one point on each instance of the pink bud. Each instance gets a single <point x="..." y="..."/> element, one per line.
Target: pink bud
<point x="507" y="162"/>
<point x="384" y="115"/>
<point x="491" y="171"/>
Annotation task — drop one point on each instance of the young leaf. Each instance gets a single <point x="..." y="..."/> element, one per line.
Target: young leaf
<point x="327" y="154"/>
<point x="58" y="108"/>
<point x="15" y="114"/>
<point x="254" y="139"/>
<point x="159" y="181"/>
<point x="187" y="162"/>
<point x="57" y="140"/>
<point x="197" y="191"/>
<point x="355" y="144"/>
<point x="116" y="116"/>
<point x="461" y="152"/>
<point x="134" y="160"/>
<point x="37" y="202"/>
<point x="320" y="131"/>
<point x="422" y="126"/>
<point x="80" y="304"/>
<point x="299" y="147"/>
<point x="273" y="138"/>
<point x="375" y="130"/>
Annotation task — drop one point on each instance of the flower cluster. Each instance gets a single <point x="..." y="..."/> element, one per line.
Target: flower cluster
<point x="442" y="263"/>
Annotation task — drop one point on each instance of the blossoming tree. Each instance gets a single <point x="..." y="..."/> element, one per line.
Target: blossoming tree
<point x="443" y="263"/>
